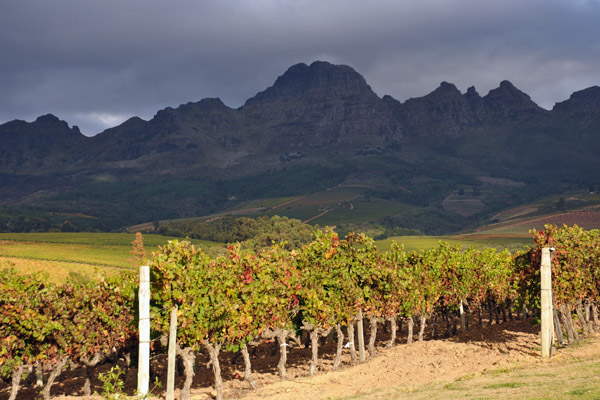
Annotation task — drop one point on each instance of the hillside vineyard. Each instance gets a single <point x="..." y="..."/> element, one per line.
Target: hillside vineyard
<point x="238" y="300"/>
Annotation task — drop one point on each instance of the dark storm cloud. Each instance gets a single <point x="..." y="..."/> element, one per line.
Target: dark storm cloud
<point x="95" y="64"/>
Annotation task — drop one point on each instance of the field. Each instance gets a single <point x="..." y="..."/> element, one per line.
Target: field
<point x="62" y="254"/>
<point x="588" y="218"/>
<point x="83" y="253"/>
<point x="333" y="206"/>
<point x="58" y="270"/>
<point x="578" y="207"/>
<point x="500" y="242"/>
<point x="356" y="206"/>
<point x="338" y="205"/>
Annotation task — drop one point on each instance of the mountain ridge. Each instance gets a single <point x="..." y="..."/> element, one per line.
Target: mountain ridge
<point x="318" y="117"/>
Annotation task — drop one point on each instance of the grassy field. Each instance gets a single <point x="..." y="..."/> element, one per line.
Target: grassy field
<point x="58" y="271"/>
<point x="64" y="253"/>
<point x="575" y="377"/>
<point x="97" y="239"/>
<point x="512" y="243"/>
<point x="587" y="219"/>
<point x="96" y="254"/>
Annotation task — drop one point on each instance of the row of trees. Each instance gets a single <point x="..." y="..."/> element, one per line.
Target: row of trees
<point x="328" y="285"/>
<point x="22" y="219"/>
<point x="331" y="283"/>
<point x="253" y="233"/>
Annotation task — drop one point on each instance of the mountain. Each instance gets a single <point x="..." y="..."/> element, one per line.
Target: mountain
<point x="34" y="147"/>
<point x="317" y="126"/>
<point x="308" y="110"/>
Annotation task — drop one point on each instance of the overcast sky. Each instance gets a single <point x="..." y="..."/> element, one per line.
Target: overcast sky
<point x="96" y="63"/>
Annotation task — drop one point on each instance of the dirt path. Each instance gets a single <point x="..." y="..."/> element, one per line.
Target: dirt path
<point x="286" y="203"/>
<point x="415" y="364"/>
<point x="315" y="217"/>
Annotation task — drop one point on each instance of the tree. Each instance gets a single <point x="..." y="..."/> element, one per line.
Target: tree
<point x="138" y="253"/>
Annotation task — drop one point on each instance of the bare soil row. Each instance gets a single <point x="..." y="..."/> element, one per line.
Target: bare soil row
<point x="474" y="351"/>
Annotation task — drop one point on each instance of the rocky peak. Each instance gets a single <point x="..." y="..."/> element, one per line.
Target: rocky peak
<point x="134" y="121"/>
<point x="41" y="145"/>
<point x="471" y="92"/>
<point x="165" y="113"/>
<point x="166" y="118"/>
<point x="507" y="101"/>
<point x="446" y="92"/>
<point x="47" y="119"/>
<point x="472" y="95"/>
<point x="448" y="98"/>
<point x="131" y="127"/>
<point x="475" y="102"/>
<point x="446" y="88"/>
<point x="312" y="107"/>
<point x="50" y="124"/>
<point x="44" y="126"/>
<point x="319" y="80"/>
<point x="442" y="112"/>
<point x="190" y="113"/>
<point x="205" y="105"/>
<point x="586" y="101"/>
<point x="212" y="102"/>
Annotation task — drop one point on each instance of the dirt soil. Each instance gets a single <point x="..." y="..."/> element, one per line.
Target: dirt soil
<point x="478" y="350"/>
<point x="416" y="364"/>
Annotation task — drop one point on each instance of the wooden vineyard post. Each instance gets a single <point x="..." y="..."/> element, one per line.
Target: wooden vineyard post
<point x="361" y="337"/>
<point x="171" y="360"/>
<point x="546" y="300"/>
<point x="144" y="329"/>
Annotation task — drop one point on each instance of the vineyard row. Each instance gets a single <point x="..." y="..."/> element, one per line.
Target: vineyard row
<point x="328" y="285"/>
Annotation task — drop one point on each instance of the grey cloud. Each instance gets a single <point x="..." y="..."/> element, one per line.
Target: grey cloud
<point x="94" y="63"/>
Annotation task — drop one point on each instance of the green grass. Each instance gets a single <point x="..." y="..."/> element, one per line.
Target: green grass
<point x="58" y="271"/>
<point x="500" y="242"/>
<point x="428" y="242"/>
<point x="58" y="252"/>
<point x="107" y="255"/>
<point x="343" y="205"/>
<point x="362" y="210"/>
<point x="92" y="238"/>
<point x="511" y="385"/>
<point x="302" y="213"/>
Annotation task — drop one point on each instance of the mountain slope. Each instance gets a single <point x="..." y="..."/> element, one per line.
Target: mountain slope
<point x="318" y="125"/>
